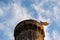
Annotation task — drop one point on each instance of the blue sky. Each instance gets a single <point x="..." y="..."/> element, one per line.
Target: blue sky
<point x="14" y="11"/>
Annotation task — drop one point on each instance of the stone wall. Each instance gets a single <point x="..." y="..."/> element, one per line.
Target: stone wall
<point x="29" y="30"/>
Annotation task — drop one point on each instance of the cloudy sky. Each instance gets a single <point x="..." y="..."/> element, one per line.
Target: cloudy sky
<point x="14" y="11"/>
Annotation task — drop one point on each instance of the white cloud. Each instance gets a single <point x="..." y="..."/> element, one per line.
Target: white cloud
<point x="1" y="12"/>
<point x="20" y="14"/>
<point x="40" y="11"/>
<point x="55" y="35"/>
<point x="59" y="38"/>
<point x="1" y="26"/>
<point x="56" y="15"/>
<point x="7" y="31"/>
<point x="38" y="8"/>
<point x="47" y="36"/>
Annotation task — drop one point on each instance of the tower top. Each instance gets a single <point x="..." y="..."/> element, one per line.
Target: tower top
<point x="29" y="27"/>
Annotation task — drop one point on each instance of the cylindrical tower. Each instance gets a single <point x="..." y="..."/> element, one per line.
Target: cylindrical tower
<point x="29" y="30"/>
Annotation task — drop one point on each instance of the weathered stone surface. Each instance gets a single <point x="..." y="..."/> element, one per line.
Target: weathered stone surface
<point x="29" y="30"/>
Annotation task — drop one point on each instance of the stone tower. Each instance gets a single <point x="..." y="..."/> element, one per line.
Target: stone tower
<point x="29" y="30"/>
